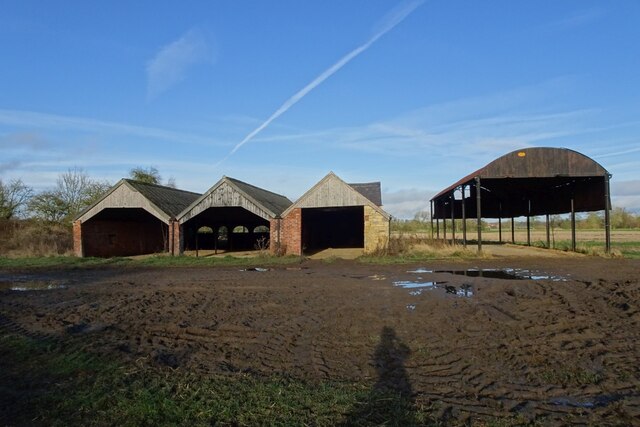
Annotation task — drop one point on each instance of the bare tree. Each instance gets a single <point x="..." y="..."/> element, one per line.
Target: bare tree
<point x="14" y="197"/>
<point x="74" y="191"/>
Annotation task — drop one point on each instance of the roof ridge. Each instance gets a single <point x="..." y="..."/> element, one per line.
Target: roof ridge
<point x="166" y="187"/>
<point x="253" y="186"/>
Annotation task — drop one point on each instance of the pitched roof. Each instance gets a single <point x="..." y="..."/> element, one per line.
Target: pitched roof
<point x="262" y="202"/>
<point x="327" y="185"/>
<point x="170" y="200"/>
<point x="276" y="203"/>
<point x="370" y="190"/>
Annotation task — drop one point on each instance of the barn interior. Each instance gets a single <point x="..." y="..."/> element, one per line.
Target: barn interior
<point x="526" y="183"/>
<point x="227" y="228"/>
<point x="124" y="232"/>
<point x="332" y="227"/>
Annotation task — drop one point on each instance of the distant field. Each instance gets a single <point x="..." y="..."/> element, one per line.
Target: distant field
<point x="626" y="242"/>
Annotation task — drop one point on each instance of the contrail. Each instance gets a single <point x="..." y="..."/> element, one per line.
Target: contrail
<point x="393" y="18"/>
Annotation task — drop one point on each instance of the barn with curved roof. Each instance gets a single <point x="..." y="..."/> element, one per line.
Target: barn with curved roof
<point x="528" y="182"/>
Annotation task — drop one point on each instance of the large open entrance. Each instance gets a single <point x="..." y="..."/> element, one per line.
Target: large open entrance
<point x="226" y="228"/>
<point x="335" y="227"/>
<point x="124" y="232"/>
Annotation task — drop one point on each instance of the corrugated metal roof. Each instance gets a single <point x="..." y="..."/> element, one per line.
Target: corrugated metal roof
<point x="170" y="200"/>
<point x="370" y="190"/>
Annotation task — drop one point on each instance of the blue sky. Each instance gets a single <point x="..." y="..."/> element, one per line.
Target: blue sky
<point x="278" y="93"/>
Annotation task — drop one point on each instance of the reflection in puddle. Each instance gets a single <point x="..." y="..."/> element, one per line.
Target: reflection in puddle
<point x="408" y="284"/>
<point x="420" y="270"/>
<point x="464" y="290"/>
<point x="417" y="288"/>
<point x="489" y="273"/>
<point x="502" y="274"/>
<point x="37" y="286"/>
<point x="411" y="306"/>
<point x="256" y="269"/>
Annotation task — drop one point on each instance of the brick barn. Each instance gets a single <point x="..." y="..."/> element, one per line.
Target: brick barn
<point x="132" y="218"/>
<point x="333" y="214"/>
<point x="232" y="215"/>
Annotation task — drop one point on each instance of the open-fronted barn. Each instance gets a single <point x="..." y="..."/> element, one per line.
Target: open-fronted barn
<point x="333" y="214"/>
<point x="132" y="218"/>
<point x="231" y="215"/>
<point x="527" y="182"/>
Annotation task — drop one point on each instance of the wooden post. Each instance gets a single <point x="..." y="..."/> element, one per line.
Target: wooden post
<point x="500" y="223"/>
<point x="430" y="217"/>
<point x="513" y="230"/>
<point x="464" y="220"/>
<point x="444" y="227"/>
<point x="607" y="215"/>
<point x="453" y="218"/>
<point x="479" y="213"/>
<point x="197" y="237"/>
<point x="548" y="233"/>
<point x="529" y="224"/>
<point x="573" y="225"/>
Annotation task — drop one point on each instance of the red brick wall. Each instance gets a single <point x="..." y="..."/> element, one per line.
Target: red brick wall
<point x="77" y="239"/>
<point x="176" y="238"/>
<point x="122" y="238"/>
<point x="291" y="233"/>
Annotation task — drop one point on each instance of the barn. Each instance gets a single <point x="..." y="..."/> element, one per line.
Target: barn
<point x="132" y="218"/>
<point x="232" y="215"/>
<point x="525" y="183"/>
<point x="333" y="214"/>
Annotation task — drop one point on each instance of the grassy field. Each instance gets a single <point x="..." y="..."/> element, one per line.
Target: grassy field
<point x="624" y="243"/>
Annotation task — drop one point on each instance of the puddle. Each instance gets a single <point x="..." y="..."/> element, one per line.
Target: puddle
<point x="377" y="277"/>
<point x="504" y="274"/>
<point x="420" y="270"/>
<point x="260" y="269"/>
<point x="419" y="287"/>
<point x="35" y="286"/>
<point x="462" y="291"/>
<point x="411" y="307"/>
<point x="408" y="284"/>
<point x="488" y="273"/>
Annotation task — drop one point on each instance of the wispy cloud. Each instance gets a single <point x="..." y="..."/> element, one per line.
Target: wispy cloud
<point x="171" y="63"/>
<point x="31" y="140"/>
<point x="576" y="19"/>
<point x="406" y="203"/>
<point x="390" y="21"/>
<point x="8" y="166"/>
<point x="36" y="120"/>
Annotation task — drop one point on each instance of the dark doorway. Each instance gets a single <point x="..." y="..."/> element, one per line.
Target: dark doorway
<point x="324" y="228"/>
<point x="232" y="229"/>
<point x="124" y="232"/>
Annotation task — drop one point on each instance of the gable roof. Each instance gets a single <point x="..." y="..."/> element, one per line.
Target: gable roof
<point x="261" y="202"/>
<point x="370" y="190"/>
<point x="350" y="195"/>
<point x="169" y="200"/>
<point x="163" y="202"/>
<point x="276" y="203"/>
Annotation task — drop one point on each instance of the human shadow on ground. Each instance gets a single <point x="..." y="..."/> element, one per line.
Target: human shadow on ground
<point x="389" y="401"/>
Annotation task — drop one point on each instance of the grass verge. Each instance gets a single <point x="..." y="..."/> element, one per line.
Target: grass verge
<point x="47" y="383"/>
<point x="151" y="261"/>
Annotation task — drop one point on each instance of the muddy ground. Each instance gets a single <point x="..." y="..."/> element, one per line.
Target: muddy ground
<point x="557" y="338"/>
